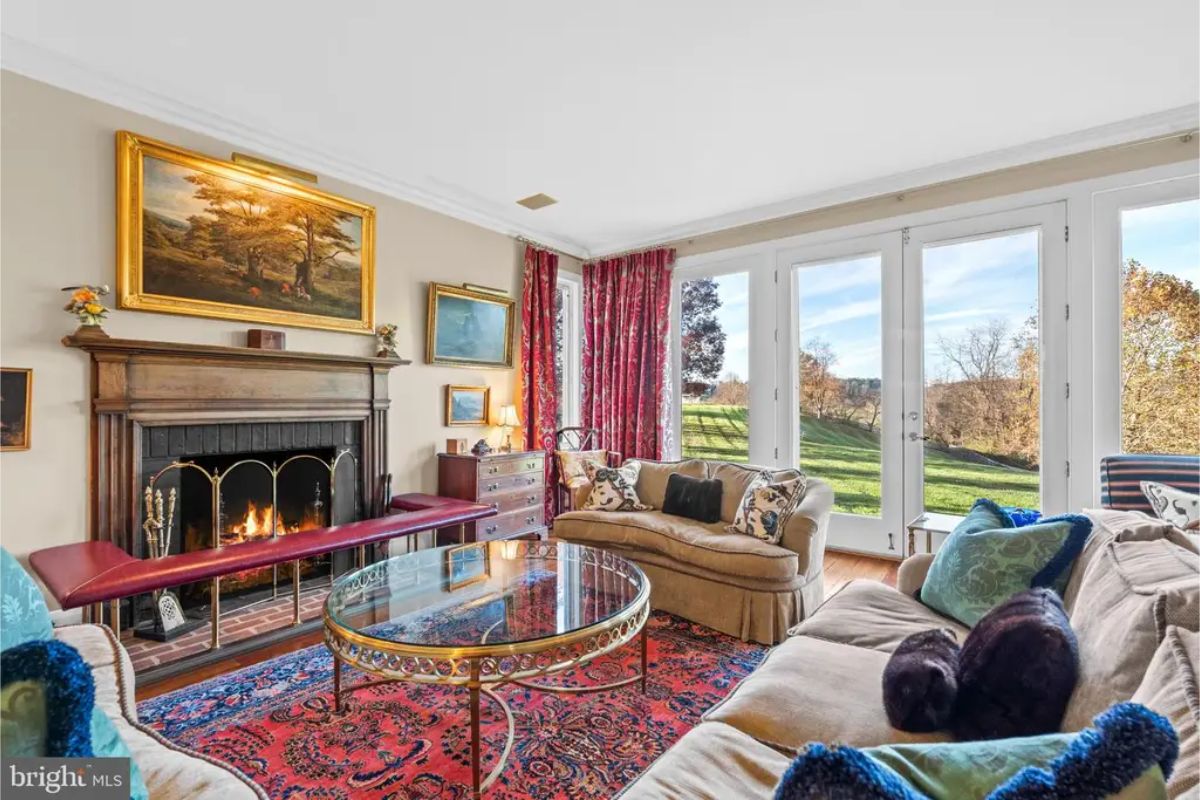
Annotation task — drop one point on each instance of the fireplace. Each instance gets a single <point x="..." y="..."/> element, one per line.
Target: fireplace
<point x="290" y="438"/>
<point x="221" y="484"/>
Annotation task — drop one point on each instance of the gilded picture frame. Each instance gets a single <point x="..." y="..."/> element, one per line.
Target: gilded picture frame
<point x="469" y="328"/>
<point x="461" y="403"/>
<point x="16" y="408"/>
<point x="209" y="238"/>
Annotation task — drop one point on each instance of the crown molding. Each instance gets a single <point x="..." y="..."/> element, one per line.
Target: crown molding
<point x="38" y="63"/>
<point x="1173" y="121"/>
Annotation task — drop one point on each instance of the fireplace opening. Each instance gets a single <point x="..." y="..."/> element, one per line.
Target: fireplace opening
<point x="259" y="496"/>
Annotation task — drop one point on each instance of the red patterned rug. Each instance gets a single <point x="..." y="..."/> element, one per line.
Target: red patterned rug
<point x="275" y="721"/>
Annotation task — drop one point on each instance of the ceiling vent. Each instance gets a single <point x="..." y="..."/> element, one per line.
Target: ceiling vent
<point x="536" y="201"/>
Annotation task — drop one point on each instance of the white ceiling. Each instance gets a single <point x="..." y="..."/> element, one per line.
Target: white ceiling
<point x="646" y="120"/>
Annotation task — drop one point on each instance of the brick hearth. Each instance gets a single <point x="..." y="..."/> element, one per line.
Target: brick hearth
<point x="242" y="623"/>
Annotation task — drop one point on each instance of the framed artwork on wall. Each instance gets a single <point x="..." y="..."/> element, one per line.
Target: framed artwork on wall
<point x="16" y="398"/>
<point x="467" y="405"/>
<point x="468" y="327"/>
<point x="210" y="238"/>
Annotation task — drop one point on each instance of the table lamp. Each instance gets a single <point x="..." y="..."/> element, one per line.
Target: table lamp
<point x="508" y="420"/>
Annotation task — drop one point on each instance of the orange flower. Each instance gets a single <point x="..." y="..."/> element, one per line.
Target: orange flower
<point x="83" y="295"/>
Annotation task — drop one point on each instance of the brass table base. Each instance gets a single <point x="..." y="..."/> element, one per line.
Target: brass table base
<point x="476" y="688"/>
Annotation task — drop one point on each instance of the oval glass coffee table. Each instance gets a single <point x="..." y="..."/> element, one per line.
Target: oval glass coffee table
<point x="483" y="615"/>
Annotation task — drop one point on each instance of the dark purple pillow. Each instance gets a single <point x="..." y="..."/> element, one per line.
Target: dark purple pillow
<point x="920" y="681"/>
<point x="1016" y="670"/>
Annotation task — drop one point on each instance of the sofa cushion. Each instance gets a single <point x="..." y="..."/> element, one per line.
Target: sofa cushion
<point x="1129" y="594"/>
<point x="736" y="478"/>
<point x="711" y="762"/>
<point x="1170" y="689"/>
<point x="867" y="613"/>
<point x="613" y="487"/>
<point x="652" y="480"/>
<point x="23" y="613"/>
<point x="812" y="690"/>
<point x="694" y="498"/>
<point x="684" y="540"/>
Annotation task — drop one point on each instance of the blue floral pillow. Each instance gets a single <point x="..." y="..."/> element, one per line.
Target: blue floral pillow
<point x="23" y="613"/>
<point x="1129" y="752"/>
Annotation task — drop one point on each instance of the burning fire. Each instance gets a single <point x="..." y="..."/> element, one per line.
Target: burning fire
<point x="257" y="522"/>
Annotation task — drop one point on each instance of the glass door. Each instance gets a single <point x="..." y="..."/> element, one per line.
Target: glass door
<point x="985" y="362"/>
<point x="844" y="396"/>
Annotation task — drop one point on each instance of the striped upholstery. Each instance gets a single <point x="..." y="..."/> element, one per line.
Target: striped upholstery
<point x="1121" y="476"/>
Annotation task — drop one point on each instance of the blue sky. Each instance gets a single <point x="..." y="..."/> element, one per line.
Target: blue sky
<point x="966" y="284"/>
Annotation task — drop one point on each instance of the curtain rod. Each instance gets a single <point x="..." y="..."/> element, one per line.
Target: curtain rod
<point x="540" y="245"/>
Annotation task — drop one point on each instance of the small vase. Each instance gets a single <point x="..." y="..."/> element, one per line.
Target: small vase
<point x="86" y="331"/>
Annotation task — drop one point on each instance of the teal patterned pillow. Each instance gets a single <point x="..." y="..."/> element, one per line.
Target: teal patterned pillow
<point x="987" y="559"/>
<point x="23" y="612"/>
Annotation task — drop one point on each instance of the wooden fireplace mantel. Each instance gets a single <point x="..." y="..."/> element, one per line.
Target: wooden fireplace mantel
<point x="137" y="384"/>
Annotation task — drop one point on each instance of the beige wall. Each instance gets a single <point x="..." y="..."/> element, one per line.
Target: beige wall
<point x="57" y="229"/>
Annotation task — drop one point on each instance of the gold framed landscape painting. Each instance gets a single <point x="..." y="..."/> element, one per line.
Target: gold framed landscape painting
<point x="210" y="238"/>
<point x="469" y="328"/>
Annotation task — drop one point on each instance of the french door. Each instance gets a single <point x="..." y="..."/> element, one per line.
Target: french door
<point x="923" y="368"/>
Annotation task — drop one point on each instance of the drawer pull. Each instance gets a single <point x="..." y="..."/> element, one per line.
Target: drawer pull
<point x="493" y="487"/>
<point x="493" y="470"/>
<point x="532" y="465"/>
<point x="532" y="499"/>
<point x="491" y="529"/>
<point x="496" y="506"/>
<point x="531" y="481"/>
<point x="529" y="520"/>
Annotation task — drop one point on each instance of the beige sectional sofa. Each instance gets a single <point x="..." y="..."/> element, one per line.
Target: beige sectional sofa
<point x="1134" y="602"/>
<point x="736" y="584"/>
<point x="171" y="772"/>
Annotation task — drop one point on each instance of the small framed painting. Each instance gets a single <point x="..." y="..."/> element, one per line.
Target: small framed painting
<point x="466" y="565"/>
<point x="467" y="405"/>
<point x="16" y="396"/>
<point x="468" y="327"/>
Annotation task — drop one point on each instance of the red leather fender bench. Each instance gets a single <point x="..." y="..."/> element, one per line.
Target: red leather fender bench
<point x="89" y="573"/>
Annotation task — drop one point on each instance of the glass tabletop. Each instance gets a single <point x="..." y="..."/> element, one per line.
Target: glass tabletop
<point x="490" y="593"/>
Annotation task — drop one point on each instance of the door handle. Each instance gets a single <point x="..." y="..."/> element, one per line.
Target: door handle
<point x="914" y="437"/>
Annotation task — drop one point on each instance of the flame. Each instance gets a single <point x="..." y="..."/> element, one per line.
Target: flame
<point x="258" y="522"/>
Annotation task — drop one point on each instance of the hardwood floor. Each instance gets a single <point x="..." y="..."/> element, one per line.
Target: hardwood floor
<point x="840" y="568"/>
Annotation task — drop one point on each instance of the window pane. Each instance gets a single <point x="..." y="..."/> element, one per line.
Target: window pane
<point x="841" y="385"/>
<point x="1160" y="329"/>
<point x="715" y="374"/>
<point x="981" y="361"/>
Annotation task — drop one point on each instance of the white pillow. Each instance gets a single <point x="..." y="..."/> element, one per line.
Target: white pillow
<point x="1172" y="505"/>
<point x="613" y="488"/>
<point x="766" y="507"/>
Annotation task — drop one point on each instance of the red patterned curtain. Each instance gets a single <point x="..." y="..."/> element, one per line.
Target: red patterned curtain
<point x="625" y="316"/>
<point x="539" y="383"/>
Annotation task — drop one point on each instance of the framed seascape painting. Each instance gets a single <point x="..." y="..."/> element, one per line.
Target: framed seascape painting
<point x="467" y="405"/>
<point x="469" y="328"/>
<point x="210" y="238"/>
<point x="16" y="395"/>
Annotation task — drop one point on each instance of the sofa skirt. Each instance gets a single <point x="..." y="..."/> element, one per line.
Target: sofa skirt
<point x="755" y="613"/>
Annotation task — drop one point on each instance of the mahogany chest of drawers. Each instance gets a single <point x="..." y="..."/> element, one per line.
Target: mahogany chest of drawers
<point x="512" y="483"/>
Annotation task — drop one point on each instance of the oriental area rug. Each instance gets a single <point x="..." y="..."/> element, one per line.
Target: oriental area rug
<point x="276" y="722"/>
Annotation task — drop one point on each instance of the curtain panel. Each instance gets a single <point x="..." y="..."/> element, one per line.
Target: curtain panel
<point x="626" y="303"/>
<point x="539" y="379"/>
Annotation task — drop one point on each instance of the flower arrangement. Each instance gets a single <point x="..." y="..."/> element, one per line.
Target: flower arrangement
<point x="386" y="334"/>
<point x="85" y="304"/>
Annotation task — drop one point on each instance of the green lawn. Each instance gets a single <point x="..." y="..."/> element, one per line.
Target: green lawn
<point x="848" y="457"/>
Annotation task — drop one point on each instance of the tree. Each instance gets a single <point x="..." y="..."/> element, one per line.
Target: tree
<point x="245" y="226"/>
<point x="1160" y="362"/>
<point x="319" y="237"/>
<point x="821" y="392"/>
<point x="702" y="338"/>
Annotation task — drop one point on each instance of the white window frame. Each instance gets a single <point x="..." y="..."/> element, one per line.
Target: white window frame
<point x="1083" y="330"/>
<point x="570" y="392"/>
<point x="1107" y="250"/>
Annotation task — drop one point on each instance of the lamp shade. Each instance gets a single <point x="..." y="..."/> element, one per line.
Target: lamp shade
<point x="508" y="417"/>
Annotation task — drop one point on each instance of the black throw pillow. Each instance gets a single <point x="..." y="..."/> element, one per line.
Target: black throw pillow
<point x="693" y="498"/>
<point x="1017" y="669"/>
<point x="920" y="681"/>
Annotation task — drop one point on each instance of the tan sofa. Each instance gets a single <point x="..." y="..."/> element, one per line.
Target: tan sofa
<point x="171" y="772"/>
<point x="736" y="584"/>
<point x="1134" y="602"/>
